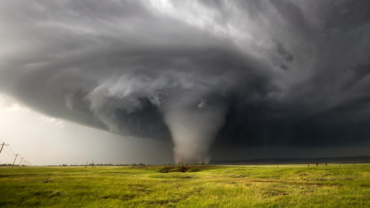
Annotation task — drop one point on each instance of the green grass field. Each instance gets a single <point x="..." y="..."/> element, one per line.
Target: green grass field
<point x="200" y="186"/>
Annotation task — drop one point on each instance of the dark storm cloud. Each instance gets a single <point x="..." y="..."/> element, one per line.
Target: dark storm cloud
<point x="256" y="73"/>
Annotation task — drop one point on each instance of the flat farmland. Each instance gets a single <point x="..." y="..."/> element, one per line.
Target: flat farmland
<point x="187" y="186"/>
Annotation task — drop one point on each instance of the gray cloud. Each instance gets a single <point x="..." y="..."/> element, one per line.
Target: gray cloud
<point x="256" y="73"/>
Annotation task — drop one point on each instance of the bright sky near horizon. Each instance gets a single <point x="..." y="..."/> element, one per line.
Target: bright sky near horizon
<point x="43" y="140"/>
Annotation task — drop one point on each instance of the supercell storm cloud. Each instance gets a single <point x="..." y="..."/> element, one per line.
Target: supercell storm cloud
<point x="202" y="73"/>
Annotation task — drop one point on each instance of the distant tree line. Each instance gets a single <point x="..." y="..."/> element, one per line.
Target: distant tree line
<point x="10" y="165"/>
<point x="134" y="164"/>
<point x="109" y="164"/>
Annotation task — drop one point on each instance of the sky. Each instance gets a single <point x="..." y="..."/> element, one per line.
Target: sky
<point x="44" y="140"/>
<point x="159" y="81"/>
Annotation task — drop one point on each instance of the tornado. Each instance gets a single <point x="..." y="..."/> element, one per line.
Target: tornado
<point x="191" y="110"/>
<point x="194" y="122"/>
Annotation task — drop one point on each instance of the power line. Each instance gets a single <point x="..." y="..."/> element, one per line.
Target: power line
<point x="6" y="151"/>
<point x="9" y="151"/>
<point x="12" y="150"/>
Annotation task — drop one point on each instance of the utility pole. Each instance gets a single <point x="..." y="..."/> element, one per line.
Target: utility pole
<point x="86" y="164"/>
<point x="3" y="146"/>
<point x="14" y="160"/>
<point x="21" y="161"/>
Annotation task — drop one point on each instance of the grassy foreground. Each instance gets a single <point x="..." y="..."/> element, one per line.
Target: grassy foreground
<point x="200" y="186"/>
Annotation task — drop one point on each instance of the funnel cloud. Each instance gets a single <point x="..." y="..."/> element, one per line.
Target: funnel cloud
<point x="203" y="74"/>
<point x="193" y="125"/>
